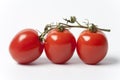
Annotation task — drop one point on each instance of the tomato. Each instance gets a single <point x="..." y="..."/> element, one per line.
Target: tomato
<point x="92" y="47"/>
<point x="59" y="46"/>
<point x="26" y="46"/>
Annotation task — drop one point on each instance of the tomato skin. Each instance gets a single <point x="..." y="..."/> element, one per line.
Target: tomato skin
<point x="26" y="46"/>
<point x="92" y="47"/>
<point x="59" y="46"/>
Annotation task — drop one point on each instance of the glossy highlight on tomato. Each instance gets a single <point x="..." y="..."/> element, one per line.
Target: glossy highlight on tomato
<point x="92" y="47"/>
<point x="26" y="46"/>
<point x="59" y="46"/>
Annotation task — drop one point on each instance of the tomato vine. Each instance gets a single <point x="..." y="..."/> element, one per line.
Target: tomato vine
<point x="61" y="26"/>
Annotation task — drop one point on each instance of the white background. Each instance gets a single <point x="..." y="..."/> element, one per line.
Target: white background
<point x="16" y="15"/>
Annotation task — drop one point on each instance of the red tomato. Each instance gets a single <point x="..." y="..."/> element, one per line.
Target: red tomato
<point x="26" y="46"/>
<point x="59" y="46"/>
<point x="92" y="47"/>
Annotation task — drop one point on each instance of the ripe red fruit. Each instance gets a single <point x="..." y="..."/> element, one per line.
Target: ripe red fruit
<point x="26" y="46"/>
<point x="92" y="46"/>
<point x="59" y="46"/>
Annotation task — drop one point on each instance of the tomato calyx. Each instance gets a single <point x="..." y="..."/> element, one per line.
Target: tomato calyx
<point x="60" y="27"/>
<point x="93" y="28"/>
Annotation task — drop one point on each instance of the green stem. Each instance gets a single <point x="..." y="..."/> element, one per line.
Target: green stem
<point x="44" y="33"/>
<point x="78" y="23"/>
<point x="108" y="30"/>
<point x="81" y="26"/>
